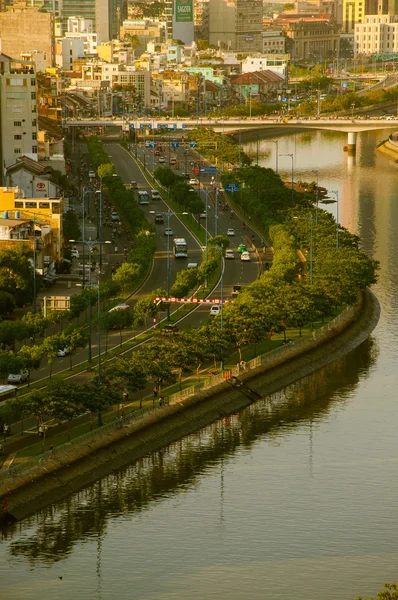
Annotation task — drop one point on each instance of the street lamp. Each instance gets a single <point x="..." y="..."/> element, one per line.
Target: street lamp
<point x="309" y="219"/>
<point x="276" y="142"/>
<point x="337" y="218"/>
<point x="100" y="215"/>
<point x="352" y="110"/>
<point x="90" y="243"/>
<point x="317" y="195"/>
<point x="83" y="233"/>
<point x="291" y="156"/>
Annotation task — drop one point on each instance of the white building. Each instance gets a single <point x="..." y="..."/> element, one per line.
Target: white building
<point x="68" y="50"/>
<point x="79" y="25"/>
<point x="377" y="34"/>
<point x="258" y="62"/>
<point x="18" y="111"/>
<point x="128" y="76"/>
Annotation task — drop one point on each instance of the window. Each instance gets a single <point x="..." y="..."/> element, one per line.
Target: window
<point x="34" y="149"/>
<point x="16" y="95"/>
<point x="34" y="135"/>
<point x="18" y="204"/>
<point x="44" y="205"/>
<point x="30" y="204"/>
<point x="33" y="95"/>
<point x="33" y="81"/>
<point x="34" y="123"/>
<point x="17" y="123"/>
<point x="17" y="150"/>
<point x="17" y="136"/>
<point x="34" y="108"/>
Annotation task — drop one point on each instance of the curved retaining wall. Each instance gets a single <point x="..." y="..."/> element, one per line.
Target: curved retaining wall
<point x="78" y="466"/>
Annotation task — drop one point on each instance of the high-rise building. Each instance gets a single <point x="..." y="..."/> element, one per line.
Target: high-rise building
<point x="180" y="20"/>
<point x="110" y="14"/>
<point x="18" y="112"/>
<point x="236" y="24"/>
<point x="24" y="29"/>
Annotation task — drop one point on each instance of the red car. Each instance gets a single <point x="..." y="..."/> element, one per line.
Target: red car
<point x="157" y="152"/>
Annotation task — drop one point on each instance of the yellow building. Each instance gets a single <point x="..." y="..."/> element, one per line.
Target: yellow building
<point x="354" y="12"/>
<point x="44" y="212"/>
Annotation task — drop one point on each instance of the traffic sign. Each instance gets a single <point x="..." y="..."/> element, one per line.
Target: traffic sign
<point x="284" y="99"/>
<point x="174" y="125"/>
<point x="175" y="144"/>
<point x="142" y="126"/>
<point x="232" y="187"/>
<point x="184" y="125"/>
<point x="132" y="126"/>
<point x="149" y="125"/>
<point x="193" y="144"/>
<point x="209" y="170"/>
<point x="159" y="126"/>
<point x="152" y="145"/>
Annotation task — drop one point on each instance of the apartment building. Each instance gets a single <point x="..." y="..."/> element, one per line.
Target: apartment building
<point x="377" y="35"/>
<point x="236" y="24"/>
<point x="18" y="111"/>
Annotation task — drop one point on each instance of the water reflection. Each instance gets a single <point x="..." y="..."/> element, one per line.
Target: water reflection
<point x="52" y="533"/>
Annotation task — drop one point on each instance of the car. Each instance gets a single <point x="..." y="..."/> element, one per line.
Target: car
<point x="236" y="290"/>
<point x="75" y="253"/>
<point x="215" y="310"/>
<point x="245" y="257"/>
<point x="242" y="248"/>
<point x="20" y="377"/>
<point x="115" y="216"/>
<point x="155" y="195"/>
<point x="193" y="181"/>
<point x="389" y="117"/>
<point x="157" y="153"/>
<point x="162" y="159"/>
<point x="172" y="160"/>
<point x="186" y="176"/>
<point x="63" y="352"/>
<point x="148" y="144"/>
<point x="203" y="215"/>
<point x="133" y="185"/>
<point x="91" y="174"/>
<point x="231" y="231"/>
<point x="170" y="328"/>
<point x="119" y="307"/>
<point x="229" y="254"/>
<point x="192" y="265"/>
<point x="159" y="218"/>
<point x="168" y="231"/>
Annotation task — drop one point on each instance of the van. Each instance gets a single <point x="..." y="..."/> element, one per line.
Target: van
<point x="155" y="195"/>
<point x="143" y="197"/>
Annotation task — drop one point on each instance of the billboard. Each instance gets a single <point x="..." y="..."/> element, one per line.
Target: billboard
<point x="184" y="11"/>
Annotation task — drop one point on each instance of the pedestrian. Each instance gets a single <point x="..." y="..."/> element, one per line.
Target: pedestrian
<point x="155" y="392"/>
<point x="51" y="450"/>
<point x="242" y="365"/>
<point x="125" y="395"/>
<point x="121" y="406"/>
<point x="115" y="249"/>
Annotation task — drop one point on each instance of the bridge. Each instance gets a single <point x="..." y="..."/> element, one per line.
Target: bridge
<point x="347" y="125"/>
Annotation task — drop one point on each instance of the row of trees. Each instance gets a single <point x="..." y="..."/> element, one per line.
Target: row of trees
<point x="219" y="148"/>
<point x="180" y="192"/>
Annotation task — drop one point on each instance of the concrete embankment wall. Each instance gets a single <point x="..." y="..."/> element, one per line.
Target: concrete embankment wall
<point x="82" y="464"/>
<point x="389" y="149"/>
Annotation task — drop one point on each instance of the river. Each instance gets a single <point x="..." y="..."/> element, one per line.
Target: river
<point x="293" y="498"/>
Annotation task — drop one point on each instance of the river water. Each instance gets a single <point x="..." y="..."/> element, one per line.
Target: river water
<point x="295" y="497"/>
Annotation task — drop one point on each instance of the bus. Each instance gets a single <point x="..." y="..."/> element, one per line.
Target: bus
<point x="180" y="248"/>
<point x="143" y="197"/>
<point x="7" y="392"/>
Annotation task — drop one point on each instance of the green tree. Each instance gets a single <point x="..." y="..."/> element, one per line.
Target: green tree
<point x="64" y="401"/>
<point x="390" y="592"/>
<point x="128" y="374"/>
<point x="127" y="276"/>
<point x="7" y="303"/>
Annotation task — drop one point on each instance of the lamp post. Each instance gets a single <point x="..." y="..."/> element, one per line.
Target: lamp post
<point x="352" y="111"/>
<point x="291" y="156"/>
<point x="337" y="218"/>
<point x="83" y="234"/>
<point x="309" y="219"/>
<point x="100" y="216"/>
<point x="317" y="195"/>
<point x="90" y="243"/>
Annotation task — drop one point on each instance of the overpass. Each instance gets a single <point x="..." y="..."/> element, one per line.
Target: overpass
<point x="276" y="126"/>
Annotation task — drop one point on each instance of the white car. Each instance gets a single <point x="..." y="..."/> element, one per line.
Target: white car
<point x="20" y="377"/>
<point x="193" y="181"/>
<point x="245" y="257"/>
<point x="168" y="231"/>
<point x="119" y="307"/>
<point x="231" y="232"/>
<point x="115" y="216"/>
<point x="75" y="253"/>
<point x="63" y="352"/>
<point x="162" y="159"/>
<point x="229" y="254"/>
<point x="215" y="310"/>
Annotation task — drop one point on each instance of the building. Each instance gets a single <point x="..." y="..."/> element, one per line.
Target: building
<point x="236" y="25"/>
<point x="110" y="14"/>
<point x="18" y="111"/>
<point x="258" y="62"/>
<point x="24" y="29"/>
<point x="123" y="76"/>
<point x="180" y="20"/>
<point x="311" y="37"/>
<point x="262" y="86"/>
<point x="201" y="20"/>
<point x="46" y="215"/>
<point x="67" y="51"/>
<point x="144" y="31"/>
<point x="84" y="9"/>
<point x="354" y="12"/>
<point x="274" y="41"/>
<point x="33" y="178"/>
<point x="377" y="35"/>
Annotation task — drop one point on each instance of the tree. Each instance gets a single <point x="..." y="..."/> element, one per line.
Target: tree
<point x="128" y="373"/>
<point x="94" y="398"/>
<point x="105" y="169"/>
<point x="64" y="401"/>
<point x="127" y="275"/>
<point x="155" y="364"/>
<point x="7" y="303"/>
<point x="71" y="227"/>
<point x="50" y="347"/>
